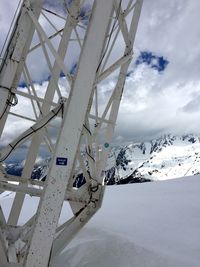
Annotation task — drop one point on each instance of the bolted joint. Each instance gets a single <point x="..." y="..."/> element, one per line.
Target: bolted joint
<point x="96" y="195"/>
<point x="62" y="100"/>
<point x="94" y="188"/>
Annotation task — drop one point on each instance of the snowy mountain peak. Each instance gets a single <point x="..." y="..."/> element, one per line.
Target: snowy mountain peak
<point x="166" y="157"/>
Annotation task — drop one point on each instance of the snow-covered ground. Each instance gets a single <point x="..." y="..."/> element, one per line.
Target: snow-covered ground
<point x="140" y="225"/>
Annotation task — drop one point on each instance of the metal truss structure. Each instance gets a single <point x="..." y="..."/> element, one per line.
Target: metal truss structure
<point x="71" y="121"/>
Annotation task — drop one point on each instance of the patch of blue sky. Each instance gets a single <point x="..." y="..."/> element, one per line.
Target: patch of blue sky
<point x="23" y="84"/>
<point x="154" y="61"/>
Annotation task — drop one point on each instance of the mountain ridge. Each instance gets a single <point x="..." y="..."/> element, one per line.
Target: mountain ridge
<point x="167" y="157"/>
<point x="158" y="159"/>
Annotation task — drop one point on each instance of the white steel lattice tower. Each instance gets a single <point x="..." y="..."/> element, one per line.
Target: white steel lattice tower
<point x="67" y="117"/>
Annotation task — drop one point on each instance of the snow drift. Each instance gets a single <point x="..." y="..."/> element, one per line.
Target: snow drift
<point x="152" y="224"/>
<point x="139" y="225"/>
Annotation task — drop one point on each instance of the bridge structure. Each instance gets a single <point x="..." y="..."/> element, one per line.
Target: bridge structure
<point x="71" y="116"/>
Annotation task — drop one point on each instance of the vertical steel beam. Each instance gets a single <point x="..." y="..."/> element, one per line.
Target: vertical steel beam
<point x="3" y="252"/>
<point x="68" y="141"/>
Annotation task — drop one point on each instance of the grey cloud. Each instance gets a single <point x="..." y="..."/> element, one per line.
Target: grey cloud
<point x="171" y="29"/>
<point x="154" y="103"/>
<point x="192" y="106"/>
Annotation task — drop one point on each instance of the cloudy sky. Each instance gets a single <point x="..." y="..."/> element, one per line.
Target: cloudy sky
<point x="162" y="92"/>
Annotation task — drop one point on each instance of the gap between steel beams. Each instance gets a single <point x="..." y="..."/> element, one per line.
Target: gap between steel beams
<point x="48" y="61"/>
<point x="33" y="120"/>
<point x="53" y="26"/>
<point x="49" y="44"/>
<point x="50" y="37"/>
<point x="122" y="22"/>
<point x="38" y="126"/>
<point x="114" y="66"/>
<point x="31" y="86"/>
